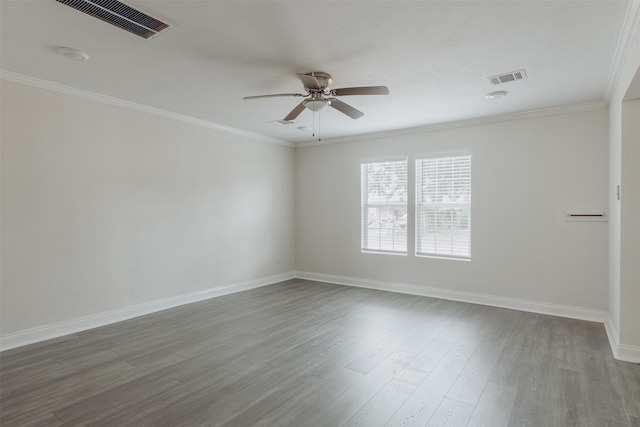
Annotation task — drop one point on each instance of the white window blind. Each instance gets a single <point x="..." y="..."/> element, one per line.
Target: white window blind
<point x="384" y="206"/>
<point x="443" y="206"/>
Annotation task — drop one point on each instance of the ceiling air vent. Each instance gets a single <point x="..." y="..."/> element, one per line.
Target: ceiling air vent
<point x="507" y="77"/>
<point x="121" y="15"/>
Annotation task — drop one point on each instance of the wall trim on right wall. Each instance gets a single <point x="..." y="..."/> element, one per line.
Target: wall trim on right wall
<point x="620" y="352"/>
<point x="571" y="312"/>
<point x="625" y="353"/>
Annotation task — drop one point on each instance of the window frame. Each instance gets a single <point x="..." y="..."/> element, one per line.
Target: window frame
<point x="460" y="206"/>
<point x="365" y="206"/>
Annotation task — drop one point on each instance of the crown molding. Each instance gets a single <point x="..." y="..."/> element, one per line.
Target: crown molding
<point x="625" y="40"/>
<point x="117" y="102"/>
<point x="68" y="90"/>
<point x="565" y="109"/>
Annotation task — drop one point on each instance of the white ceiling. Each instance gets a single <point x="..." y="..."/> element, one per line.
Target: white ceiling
<point x="434" y="56"/>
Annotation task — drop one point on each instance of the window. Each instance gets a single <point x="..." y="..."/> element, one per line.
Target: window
<point x="443" y="207"/>
<point x="384" y="206"/>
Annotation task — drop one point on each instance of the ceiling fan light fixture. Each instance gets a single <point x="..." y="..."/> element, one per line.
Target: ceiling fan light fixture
<point x="316" y="104"/>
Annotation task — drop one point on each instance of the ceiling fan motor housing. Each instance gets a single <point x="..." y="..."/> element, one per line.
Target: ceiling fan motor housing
<point x="324" y="79"/>
<point x="317" y="100"/>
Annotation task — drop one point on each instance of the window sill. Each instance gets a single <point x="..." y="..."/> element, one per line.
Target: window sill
<point x="449" y="258"/>
<point x="368" y="251"/>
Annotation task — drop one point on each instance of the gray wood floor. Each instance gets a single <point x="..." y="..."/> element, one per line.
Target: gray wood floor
<point x="305" y="353"/>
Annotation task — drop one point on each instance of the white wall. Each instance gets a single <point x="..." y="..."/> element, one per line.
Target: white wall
<point x="105" y="208"/>
<point x="630" y="222"/>
<point x="623" y="325"/>
<point x="615" y="156"/>
<point x="524" y="174"/>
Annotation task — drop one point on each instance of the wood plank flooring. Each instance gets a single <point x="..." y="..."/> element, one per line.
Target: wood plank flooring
<point x="303" y="353"/>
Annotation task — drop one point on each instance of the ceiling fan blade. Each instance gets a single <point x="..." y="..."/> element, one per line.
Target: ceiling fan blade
<point x="309" y="82"/>
<point x="361" y="90"/>
<point x="295" y="112"/>
<point x="273" y="95"/>
<point x="346" y="109"/>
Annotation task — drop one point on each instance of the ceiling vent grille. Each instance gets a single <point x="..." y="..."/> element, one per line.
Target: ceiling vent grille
<point x="507" y="77"/>
<point x="121" y="15"/>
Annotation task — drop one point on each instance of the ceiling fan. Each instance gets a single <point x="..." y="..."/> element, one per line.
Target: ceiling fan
<point x="319" y="96"/>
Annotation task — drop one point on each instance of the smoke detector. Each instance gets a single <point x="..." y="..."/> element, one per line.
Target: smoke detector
<point x="496" y="94"/>
<point x="71" y="53"/>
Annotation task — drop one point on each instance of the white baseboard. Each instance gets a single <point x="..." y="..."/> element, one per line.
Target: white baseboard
<point x="588" y="314"/>
<point x="43" y="333"/>
<point x="620" y="351"/>
<point x="626" y="353"/>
